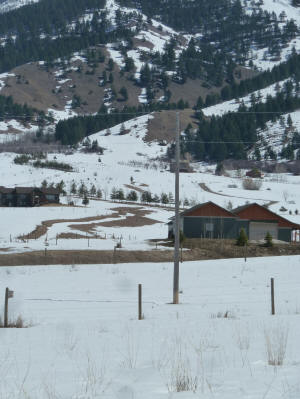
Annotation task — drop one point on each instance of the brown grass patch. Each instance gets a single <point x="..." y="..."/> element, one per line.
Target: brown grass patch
<point x="198" y="250"/>
<point x="136" y="220"/>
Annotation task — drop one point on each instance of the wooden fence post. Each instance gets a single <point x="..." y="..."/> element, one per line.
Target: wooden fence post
<point x="6" y="309"/>
<point x="140" y="302"/>
<point x="8" y="294"/>
<point x="272" y="297"/>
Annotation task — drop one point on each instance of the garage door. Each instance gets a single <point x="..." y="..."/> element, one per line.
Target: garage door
<point x="258" y="230"/>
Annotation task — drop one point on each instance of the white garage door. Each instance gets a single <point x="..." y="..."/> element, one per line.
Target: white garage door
<point x="259" y="230"/>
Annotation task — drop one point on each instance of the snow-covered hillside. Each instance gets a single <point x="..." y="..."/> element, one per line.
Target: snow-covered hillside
<point x="8" y="5"/>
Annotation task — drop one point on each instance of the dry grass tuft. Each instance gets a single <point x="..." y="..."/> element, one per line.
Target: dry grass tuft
<point x="18" y="323"/>
<point x="276" y="343"/>
<point x="223" y="315"/>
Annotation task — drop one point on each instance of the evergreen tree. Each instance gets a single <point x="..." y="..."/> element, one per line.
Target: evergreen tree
<point x="132" y="196"/>
<point x="242" y="239"/>
<point x="268" y="240"/>
<point x="85" y="200"/>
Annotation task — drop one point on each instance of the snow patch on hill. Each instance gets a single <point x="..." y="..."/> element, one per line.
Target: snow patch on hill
<point x="279" y="6"/>
<point x="278" y="134"/>
<point x="233" y="105"/>
<point x="9" y="5"/>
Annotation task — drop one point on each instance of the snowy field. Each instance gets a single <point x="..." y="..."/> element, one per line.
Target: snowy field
<point x="104" y="229"/>
<point x="84" y="339"/>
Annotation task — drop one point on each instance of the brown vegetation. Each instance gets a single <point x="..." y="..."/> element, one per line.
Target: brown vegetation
<point x="197" y="250"/>
<point x="135" y="219"/>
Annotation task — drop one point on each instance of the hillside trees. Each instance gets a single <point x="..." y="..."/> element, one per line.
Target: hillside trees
<point x="44" y="31"/>
<point x="234" y="134"/>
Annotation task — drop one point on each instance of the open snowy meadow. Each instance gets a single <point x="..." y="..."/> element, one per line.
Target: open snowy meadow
<point x="84" y="339"/>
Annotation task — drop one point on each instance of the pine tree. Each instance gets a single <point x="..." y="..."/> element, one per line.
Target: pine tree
<point x="268" y="240"/>
<point x="132" y="196"/>
<point x="85" y="200"/>
<point x="93" y="190"/>
<point x="242" y="239"/>
<point x="73" y="189"/>
<point x="164" y="199"/>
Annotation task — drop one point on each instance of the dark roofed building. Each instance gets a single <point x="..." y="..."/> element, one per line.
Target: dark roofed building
<point x="209" y="220"/>
<point x="28" y="196"/>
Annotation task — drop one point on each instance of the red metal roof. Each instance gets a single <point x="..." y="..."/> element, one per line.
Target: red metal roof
<point x="208" y="209"/>
<point x="258" y="212"/>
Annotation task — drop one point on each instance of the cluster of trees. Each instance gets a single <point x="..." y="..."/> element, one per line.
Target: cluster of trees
<point x="83" y="191"/>
<point x="291" y="67"/>
<point x="234" y="134"/>
<point x="59" y="186"/>
<point x="73" y="130"/>
<point x="224" y="23"/>
<point x="46" y="31"/>
<point x="11" y="110"/>
<point x="145" y="196"/>
<point x="53" y="165"/>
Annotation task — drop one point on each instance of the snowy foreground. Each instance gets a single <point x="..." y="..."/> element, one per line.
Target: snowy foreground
<point x="85" y="340"/>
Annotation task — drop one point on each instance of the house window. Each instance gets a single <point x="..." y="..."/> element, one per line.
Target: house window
<point x="209" y="227"/>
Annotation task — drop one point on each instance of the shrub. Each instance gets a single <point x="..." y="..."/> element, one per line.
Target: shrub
<point x="85" y="200"/>
<point x="242" y="239"/>
<point x="18" y="323"/>
<point x="22" y="159"/>
<point x="268" y="240"/>
<point x="251" y="184"/>
<point x="53" y="165"/>
<point x="276" y="342"/>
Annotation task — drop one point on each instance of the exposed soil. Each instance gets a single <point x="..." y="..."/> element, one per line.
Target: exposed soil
<point x="138" y="219"/>
<point x="163" y="126"/>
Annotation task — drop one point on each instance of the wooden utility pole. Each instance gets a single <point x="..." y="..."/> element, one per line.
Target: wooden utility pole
<point x="176" y="221"/>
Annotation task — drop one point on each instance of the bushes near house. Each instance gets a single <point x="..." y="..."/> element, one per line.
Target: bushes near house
<point x="268" y="240"/>
<point x="242" y="239"/>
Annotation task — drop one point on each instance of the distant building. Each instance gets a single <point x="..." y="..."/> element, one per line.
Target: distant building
<point x="184" y="167"/>
<point x="28" y="196"/>
<point x="209" y="220"/>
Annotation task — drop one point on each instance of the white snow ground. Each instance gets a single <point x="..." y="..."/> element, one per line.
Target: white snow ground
<point x="84" y="339"/>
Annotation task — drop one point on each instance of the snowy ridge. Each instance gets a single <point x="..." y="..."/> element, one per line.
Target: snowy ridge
<point x="9" y="5"/>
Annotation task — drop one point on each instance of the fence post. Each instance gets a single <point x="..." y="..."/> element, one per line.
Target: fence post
<point x="272" y="297"/>
<point x="6" y="309"/>
<point x="140" y="302"/>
